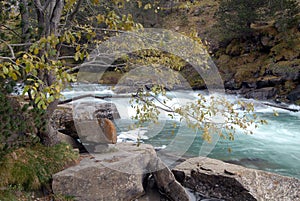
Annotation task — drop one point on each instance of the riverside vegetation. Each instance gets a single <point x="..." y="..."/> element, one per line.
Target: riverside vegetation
<point x="43" y="43"/>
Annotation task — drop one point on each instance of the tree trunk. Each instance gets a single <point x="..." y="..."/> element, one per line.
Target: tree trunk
<point x="48" y="16"/>
<point x="25" y="20"/>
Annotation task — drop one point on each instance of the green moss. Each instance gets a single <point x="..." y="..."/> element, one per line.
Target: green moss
<point x="245" y="72"/>
<point x="32" y="167"/>
<point x="284" y="67"/>
<point x="7" y="195"/>
<point x="16" y="193"/>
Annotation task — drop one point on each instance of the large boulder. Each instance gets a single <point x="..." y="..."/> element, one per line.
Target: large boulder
<point x="109" y="176"/>
<point x="268" y="81"/>
<point x="63" y="119"/>
<point x="218" y="179"/>
<point x="70" y="119"/>
<point x="117" y="175"/>
<point x="294" y="95"/>
<point x="260" y="94"/>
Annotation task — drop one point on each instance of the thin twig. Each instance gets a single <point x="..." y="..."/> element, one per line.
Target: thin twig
<point x="11" y="50"/>
<point x="11" y="30"/>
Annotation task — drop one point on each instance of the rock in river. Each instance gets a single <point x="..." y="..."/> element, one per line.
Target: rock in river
<point x="217" y="179"/>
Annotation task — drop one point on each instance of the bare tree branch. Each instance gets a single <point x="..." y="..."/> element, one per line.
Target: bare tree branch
<point x="20" y="44"/>
<point x="38" y="5"/>
<point x="75" y="11"/>
<point x="91" y="96"/>
<point x="13" y="31"/>
<point x="65" y="57"/>
<point x="96" y="65"/>
<point x="282" y="107"/>
<point x="10" y="49"/>
<point x="47" y="3"/>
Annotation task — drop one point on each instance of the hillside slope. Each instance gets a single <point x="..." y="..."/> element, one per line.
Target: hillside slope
<point x="265" y="66"/>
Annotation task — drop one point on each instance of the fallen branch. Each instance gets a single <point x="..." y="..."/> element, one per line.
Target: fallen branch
<point x="91" y="96"/>
<point x="282" y="107"/>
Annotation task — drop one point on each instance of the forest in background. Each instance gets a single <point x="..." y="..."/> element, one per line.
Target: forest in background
<point x="255" y="44"/>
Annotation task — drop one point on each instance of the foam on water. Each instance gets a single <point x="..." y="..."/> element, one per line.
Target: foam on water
<point x="133" y="135"/>
<point x="273" y="147"/>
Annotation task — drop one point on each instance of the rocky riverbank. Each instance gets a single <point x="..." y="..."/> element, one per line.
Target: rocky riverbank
<point x="129" y="172"/>
<point x="214" y="178"/>
<point x="126" y="172"/>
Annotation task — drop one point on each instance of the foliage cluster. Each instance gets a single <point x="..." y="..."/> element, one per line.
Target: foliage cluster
<point x="18" y="124"/>
<point x="212" y="116"/>
<point x="42" y="40"/>
<point x="41" y="45"/>
<point x="235" y="17"/>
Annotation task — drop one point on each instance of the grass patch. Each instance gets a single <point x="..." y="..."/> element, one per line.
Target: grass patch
<point x="15" y="194"/>
<point x="32" y="167"/>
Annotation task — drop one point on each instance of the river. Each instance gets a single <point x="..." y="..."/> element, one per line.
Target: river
<point x="273" y="147"/>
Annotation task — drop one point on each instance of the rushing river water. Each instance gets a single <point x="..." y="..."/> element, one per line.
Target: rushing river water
<point x="273" y="147"/>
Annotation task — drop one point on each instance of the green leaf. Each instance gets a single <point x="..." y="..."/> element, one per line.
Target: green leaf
<point x="36" y="51"/>
<point x="51" y="99"/>
<point x="5" y="70"/>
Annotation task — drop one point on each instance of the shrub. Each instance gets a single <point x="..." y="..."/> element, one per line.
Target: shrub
<point x="32" y="167"/>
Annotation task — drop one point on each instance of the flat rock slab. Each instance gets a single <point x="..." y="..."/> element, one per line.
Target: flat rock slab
<point x="117" y="175"/>
<point x="106" y="176"/>
<point x="222" y="180"/>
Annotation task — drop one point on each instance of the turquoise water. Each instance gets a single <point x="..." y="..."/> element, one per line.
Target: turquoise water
<point x="273" y="147"/>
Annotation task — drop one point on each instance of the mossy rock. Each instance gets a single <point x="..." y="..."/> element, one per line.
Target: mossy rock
<point x="282" y="53"/>
<point x="246" y="72"/>
<point x="235" y="48"/>
<point x="286" y="68"/>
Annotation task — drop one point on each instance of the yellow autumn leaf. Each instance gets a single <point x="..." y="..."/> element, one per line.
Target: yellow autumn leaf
<point x="147" y="6"/>
<point x="57" y="88"/>
<point x="140" y="4"/>
<point x="36" y="51"/>
<point x="14" y="76"/>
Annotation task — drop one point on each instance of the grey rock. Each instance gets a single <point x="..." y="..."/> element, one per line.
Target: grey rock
<point x="270" y="81"/>
<point x="117" y="175"/>
<point x="260" y="94"/>
<point x="167" y="183"/>
<point x="220" y="180"/>
<point x="69" y="140"/>
<point x="267" y="41"/>
<point x="198" y="11"/>
<point x="231" y="85"/>
<point x="63" y="119"/>
<point x="294" y="95"/>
